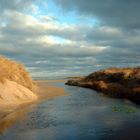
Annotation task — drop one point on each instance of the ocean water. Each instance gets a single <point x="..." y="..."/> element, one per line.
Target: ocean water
<point x="82" y="115"/>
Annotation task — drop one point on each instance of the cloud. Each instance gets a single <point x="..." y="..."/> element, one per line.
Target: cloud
<point x="45" y="45"/>
<point x="121" y="13"/>
<point x="15" y="4"/>
<point x="24" y="31"/>
<point x="52" y="47"/>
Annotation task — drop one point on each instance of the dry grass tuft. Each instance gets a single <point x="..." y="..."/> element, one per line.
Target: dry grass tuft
<point x="14" y="71"/>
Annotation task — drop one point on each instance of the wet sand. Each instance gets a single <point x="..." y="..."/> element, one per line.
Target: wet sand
<point x="45" y="90"/>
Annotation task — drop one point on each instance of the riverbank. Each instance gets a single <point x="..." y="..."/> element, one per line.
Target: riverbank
<point x="83" y="114"/>
<point x="17" y="88"/>
<point x="44" y="90"/>
<point x="114" y="82"/>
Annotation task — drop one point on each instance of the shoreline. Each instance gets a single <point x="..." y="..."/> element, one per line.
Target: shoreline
<point x="44" y="91"/>
<point x="123" y="83"/>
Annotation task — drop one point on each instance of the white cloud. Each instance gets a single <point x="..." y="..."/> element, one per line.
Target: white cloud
<point x="42" y="41"/>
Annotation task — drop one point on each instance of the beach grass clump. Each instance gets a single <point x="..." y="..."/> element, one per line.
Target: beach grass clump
<point x="14" y="71"/>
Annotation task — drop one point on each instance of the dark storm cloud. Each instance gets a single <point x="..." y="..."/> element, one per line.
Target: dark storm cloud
<point x="122" y="13"/>
<point x="15" y="4"/>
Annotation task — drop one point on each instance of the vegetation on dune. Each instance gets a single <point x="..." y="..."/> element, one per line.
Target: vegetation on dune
<point x="115" y="82"/>
<point x="14" y="71"/>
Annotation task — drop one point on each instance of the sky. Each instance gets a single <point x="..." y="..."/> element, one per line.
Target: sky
<point x="60" y="38"/>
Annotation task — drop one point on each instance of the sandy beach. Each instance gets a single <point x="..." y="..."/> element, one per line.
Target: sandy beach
<point x="45" y="90"/>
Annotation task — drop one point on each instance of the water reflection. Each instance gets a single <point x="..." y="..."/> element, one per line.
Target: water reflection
<point x="9" y="118"/>
<point x="83" y="115"/>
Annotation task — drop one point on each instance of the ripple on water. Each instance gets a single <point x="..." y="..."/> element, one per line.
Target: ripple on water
<point x="82" y="115"/>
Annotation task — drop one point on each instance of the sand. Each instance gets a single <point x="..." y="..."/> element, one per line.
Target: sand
<point x="45" y="90"/>
<point x="12" y="93"/>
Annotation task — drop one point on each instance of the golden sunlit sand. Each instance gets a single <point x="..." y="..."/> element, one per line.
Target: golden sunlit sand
<point x="43" y="91"/>
<point x="46" y="91"/>
<point x="16" y="86"/>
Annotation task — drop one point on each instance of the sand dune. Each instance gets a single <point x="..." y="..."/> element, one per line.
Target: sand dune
<point x="14" y="93"/>
<point x="16" y="86"/>
<point x="18" y="91"/>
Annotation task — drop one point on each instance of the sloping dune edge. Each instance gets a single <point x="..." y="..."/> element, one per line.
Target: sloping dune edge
<point x="12" y="93"/>
<point x="14" y="96"/>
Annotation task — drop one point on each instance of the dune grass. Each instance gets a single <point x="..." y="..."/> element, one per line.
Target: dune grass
<point x="14" y="71"/>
